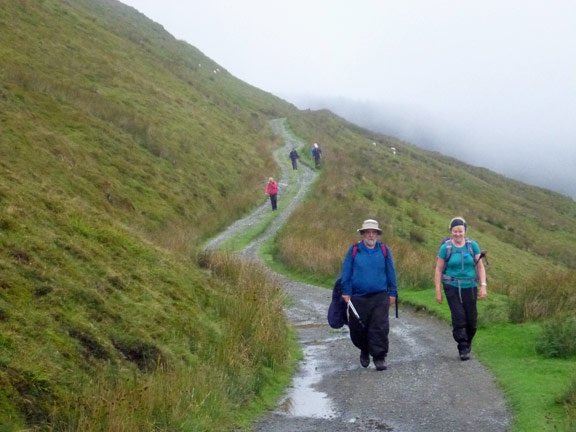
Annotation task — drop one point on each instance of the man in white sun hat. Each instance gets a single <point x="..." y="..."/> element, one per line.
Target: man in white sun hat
<point x="369" y="287"/>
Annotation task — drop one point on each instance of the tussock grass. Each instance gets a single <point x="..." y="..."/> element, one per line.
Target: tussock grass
<point x="413" y="267"/>
<point x="546" y="294"/>
<point x="191" y="379"/>
<point x="568" y="400"/>
<point x="557" y="338"/>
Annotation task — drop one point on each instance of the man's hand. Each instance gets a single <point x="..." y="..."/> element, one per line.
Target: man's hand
<point x="346" y="298"/>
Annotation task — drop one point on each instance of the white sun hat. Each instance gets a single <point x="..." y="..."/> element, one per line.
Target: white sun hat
<point x="370" y="224"/>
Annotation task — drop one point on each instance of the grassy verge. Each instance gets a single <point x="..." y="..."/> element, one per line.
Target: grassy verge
<point x="253" y="359"/>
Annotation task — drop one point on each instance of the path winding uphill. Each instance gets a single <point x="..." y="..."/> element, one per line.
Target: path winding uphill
<point x="304" y="180"/>
<point x="426" y="388"/>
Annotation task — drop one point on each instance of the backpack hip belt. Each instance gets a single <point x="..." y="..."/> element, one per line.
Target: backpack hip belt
<point x="459" y="281"/>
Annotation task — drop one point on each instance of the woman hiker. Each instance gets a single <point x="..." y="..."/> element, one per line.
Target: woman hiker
<point x="272" y="190"/>
<point x="459" y="268"/>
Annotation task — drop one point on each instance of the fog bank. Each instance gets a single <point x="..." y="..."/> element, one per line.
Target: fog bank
<point x="540" y="151"/>
<point x="492" y="83"/>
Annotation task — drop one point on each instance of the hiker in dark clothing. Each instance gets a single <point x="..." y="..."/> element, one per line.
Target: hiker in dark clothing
<point x="317" y="153"/>
<point x="294" y="158"/>
<point x="272" y="190"/>
<point x="459" y="268"/>
<point x="369" y="287"/>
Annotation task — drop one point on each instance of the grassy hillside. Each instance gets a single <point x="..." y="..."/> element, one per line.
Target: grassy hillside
<point x="151" y="111"/>
<point x="121" y="149"/>
<point x="415" y="193"/>
<point x="529" y="234"/>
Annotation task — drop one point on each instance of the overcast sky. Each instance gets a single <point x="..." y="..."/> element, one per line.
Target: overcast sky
<point x="492" y="83"/>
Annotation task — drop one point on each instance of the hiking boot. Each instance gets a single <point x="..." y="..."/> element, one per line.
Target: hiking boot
<point x="380" y="364"/>
<point x="464" y="355"/>
<point x="364" y="359"/>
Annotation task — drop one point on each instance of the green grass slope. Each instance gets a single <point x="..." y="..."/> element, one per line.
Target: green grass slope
<point x="529" y="233"/>
<point x="120" y="150"/>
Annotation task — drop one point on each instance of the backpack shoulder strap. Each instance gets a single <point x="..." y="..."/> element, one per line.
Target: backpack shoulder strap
<point x="449" y="245"/>
<point x="355" y="250"/>
<point x="469" y="246"/>
<point x="383" y="246"/>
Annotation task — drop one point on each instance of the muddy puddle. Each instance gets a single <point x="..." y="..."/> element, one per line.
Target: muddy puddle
<point x="303" y="400"/>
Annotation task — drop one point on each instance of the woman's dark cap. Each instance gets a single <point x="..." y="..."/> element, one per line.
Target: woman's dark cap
<point x="458" y="221"/>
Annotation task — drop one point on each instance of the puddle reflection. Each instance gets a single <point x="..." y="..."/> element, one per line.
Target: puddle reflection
<point x="303" y="400"/>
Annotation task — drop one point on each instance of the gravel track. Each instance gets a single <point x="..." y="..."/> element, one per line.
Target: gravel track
<point x="426" y="387"/>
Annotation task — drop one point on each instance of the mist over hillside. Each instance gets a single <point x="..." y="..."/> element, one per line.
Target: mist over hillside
<point x="513" y="150"/>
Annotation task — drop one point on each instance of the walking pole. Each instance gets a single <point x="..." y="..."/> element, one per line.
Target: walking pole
<point x="484" y="255"/>
<point x="353" y="309"/>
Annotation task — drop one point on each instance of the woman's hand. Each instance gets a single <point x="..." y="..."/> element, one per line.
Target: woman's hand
<point x="438" y="296"/>
<point x="483" y="293"/>
<point x="438" y="279"/>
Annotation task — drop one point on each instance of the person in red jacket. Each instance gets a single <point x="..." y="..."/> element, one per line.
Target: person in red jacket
<point x="272" y="190"/>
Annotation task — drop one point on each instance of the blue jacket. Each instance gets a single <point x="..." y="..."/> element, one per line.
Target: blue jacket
<point x="369" y="272"/>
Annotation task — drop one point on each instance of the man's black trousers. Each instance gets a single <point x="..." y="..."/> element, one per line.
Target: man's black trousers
<point x="372" y="337"/>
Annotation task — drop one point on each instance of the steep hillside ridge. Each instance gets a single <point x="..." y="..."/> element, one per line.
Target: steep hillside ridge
<point x="121" y="150"/>
<point x="105" y="95"/>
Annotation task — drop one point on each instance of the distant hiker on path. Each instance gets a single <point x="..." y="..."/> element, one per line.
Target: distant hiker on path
<point x="459" y="268"/>
<point x="317" y="154"/>
<point x="294" y="158"/>
<point x="369" y="287"/>
<point x="272" y="190"/>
